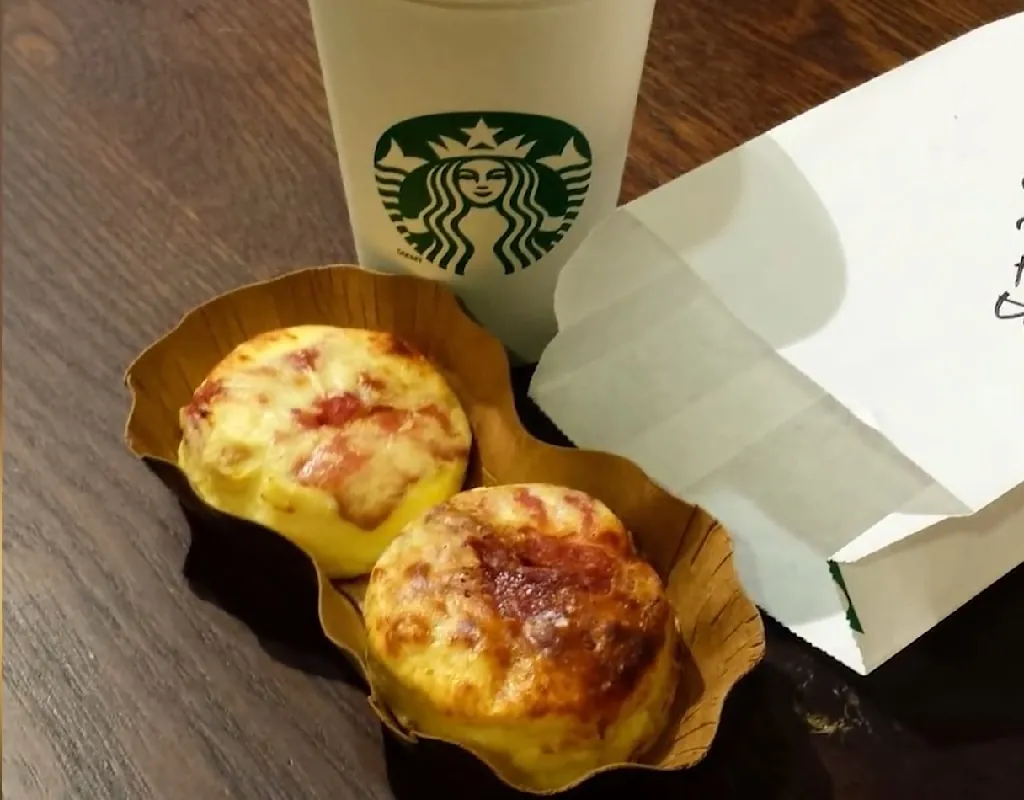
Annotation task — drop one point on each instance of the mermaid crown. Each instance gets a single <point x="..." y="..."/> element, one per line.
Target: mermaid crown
<point x="510" y="148"/>
<point x="569" y="158"/>
<point x="481" y="142"/>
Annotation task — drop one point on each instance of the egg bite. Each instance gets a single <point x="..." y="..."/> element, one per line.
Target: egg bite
<point x="334" y="437"/>
<point x="520" y="622"/>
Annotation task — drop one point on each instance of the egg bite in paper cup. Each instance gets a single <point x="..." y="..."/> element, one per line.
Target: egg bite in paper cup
<point x="491" y="558"/>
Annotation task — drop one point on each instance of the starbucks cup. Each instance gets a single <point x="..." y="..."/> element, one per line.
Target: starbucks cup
<point x="480" y="140"/>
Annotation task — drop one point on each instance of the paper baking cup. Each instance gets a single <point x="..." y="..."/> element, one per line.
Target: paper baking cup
<point x="721" y="631"/>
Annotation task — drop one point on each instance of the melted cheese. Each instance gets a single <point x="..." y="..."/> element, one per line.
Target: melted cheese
<point x="335" y="438"/>
<point x="519" y="622"/>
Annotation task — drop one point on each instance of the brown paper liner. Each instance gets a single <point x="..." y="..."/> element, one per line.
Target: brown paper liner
<point x="281" y="590"/>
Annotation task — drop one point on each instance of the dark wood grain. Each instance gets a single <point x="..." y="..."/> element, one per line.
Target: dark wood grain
<point x="157" y="151"/>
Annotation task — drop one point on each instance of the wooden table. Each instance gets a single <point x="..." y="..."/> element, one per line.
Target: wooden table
<point x="158" y="151"/>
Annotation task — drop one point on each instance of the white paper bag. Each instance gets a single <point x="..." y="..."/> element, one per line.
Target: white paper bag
<point x="819" y="337"/>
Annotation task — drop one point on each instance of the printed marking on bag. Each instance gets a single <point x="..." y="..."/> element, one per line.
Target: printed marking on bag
<point x="851" y="612"/>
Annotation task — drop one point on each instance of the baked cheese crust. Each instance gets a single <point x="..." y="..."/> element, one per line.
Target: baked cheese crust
<point x="334" y="437"/>
<point x="520" y="622"/>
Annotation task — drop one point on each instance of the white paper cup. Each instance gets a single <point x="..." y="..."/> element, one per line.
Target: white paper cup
<point x="480" y="140"/>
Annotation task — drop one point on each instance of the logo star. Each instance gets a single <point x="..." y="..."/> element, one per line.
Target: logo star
<point x="481" y="134"/>
<point x="396" y="159"/>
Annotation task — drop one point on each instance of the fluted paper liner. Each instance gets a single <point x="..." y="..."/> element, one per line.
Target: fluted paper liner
<point x="721" y="631"/>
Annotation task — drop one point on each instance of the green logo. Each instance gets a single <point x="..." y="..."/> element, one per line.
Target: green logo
<point x="851" y="613"/>
<point x="473" y="191"/>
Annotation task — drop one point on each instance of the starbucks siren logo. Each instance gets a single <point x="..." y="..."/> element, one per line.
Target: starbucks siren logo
<point x="478" y="191"/>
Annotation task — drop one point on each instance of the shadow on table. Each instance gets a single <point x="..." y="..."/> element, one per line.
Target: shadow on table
<point x="763" y="749"/>
<point x="267" y="583"/>
<point x="961" y="682"/>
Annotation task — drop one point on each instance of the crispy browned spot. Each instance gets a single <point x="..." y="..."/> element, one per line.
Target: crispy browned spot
<point x="264" y="370"/>
<point x="404" y="630"/>
<point x="340" y="410"/>
<point x="396" y="346"/>
<point x="234" y="454"/>
<point x="449" y="446"/>
<point x="335" y="411"/>
<point x="280" y="334"/>
<point x="372" y="383"/>
<point x="330" y="465"/>
<point x="534" y="506"/>
<point x="610" y="539"/>
<point x="585" y="506"/>
<point x="466" y="633"/>
<point x="389" y="420"/>
<point x="417" y="570"/>
<point x="304" y="359"/>
<point x="527" y="575"/>
<point x="199" y="406"/>
<point x="465" y="695"/>
<point x="449" y="451"/>
<point x="567" y="605"/>
<point x="441" y="416"/>
<point x="369" y="516"/>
